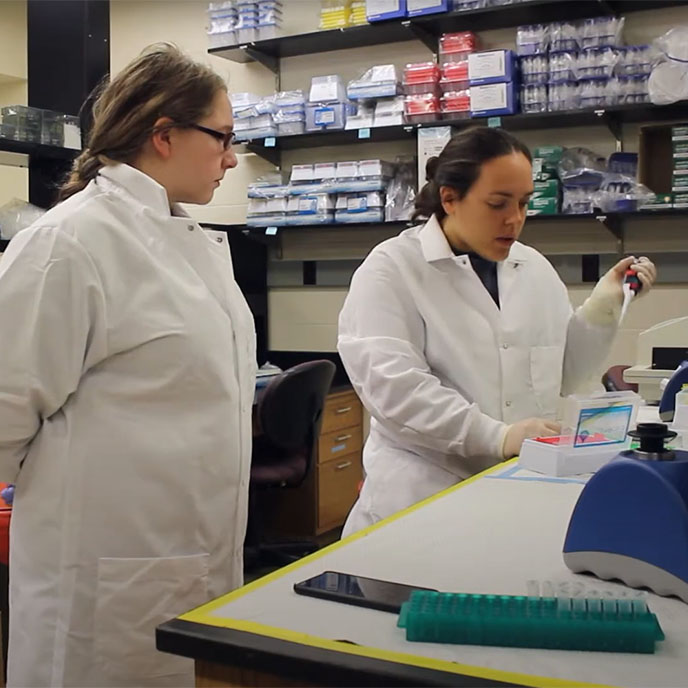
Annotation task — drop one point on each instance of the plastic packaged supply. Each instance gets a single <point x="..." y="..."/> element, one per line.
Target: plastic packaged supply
<point x="454" y="77"/>
<point x="421" y="78"/>
<point x="596" y="63"/>
<point x="335" y="14"/>
<point x="455" y="47"/>
<point x="564" y="96"/>
<point x="562" y="67"/>
<point x="24" y="120"/>
<point x="635" y="60"/>
<point x="422" y="108"/>
<point x="379" y="81"/>
<point x="564" y="37"/>
<point x="534" y="98"/>
<point x="290" y="128"/>
<point x="456" y="105"/>
<point x="532" y="39"/>
<point x="389" y="112"/>
<point x="621" y="194"/>
<point x="360" y="207"/>
<point x="326" y="89"/>
<point x="580" y="166"/>
<point x="468" y="5"/>
<point x="401" y="192"/>
<point x="363" y="118"/>
<point x="535" y="69"/>
<point x="577" y="201"/>
<point x="328" y="116"/>
<point x="668" y="81"/>
<point x="358" y="13"/>
<point x="16" y="215"/>
<point x="601" y="32"/>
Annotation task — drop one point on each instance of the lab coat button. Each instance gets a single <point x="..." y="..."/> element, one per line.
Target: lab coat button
<point x="218" y="239"/>
<point x="505" y="346"/>
<point x="190" y="228"/>
<point x="507" y="403"/>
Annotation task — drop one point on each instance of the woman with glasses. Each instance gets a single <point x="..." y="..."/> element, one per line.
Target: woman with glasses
<point x="126" y="385"/>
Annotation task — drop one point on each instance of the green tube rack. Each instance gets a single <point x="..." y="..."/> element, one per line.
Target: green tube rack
<point x="556" y="623"/>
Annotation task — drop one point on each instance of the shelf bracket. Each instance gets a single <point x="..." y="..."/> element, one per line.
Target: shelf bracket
<point x="424" y="36"/>
<point x="613" y="224"/>
<point x="614" y="125"/>
<point x="269" y="61"/>
<point x="272" y="155"/>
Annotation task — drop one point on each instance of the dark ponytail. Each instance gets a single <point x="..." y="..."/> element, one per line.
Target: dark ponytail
<point x="458" y="165"/>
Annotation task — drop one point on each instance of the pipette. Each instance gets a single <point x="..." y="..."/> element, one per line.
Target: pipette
<point x="631" y="286"/>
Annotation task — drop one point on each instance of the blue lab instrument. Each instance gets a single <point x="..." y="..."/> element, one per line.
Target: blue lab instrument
<point x="667" y="404"/>
<point x="631" y="519"/>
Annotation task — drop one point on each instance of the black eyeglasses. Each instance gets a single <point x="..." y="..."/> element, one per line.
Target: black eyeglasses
<point x="226" y="138"/>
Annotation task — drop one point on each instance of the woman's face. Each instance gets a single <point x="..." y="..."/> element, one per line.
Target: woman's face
<point x="200" y="159"/>
<point x="489" y="218"/>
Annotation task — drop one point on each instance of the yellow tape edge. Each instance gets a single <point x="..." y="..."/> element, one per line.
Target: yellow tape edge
<point x="199" y="614"/>
<point x="203" y="614"/>
<point x="398" y="657"/>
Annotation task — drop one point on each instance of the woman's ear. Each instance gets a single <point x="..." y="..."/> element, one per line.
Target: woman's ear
<point x="448" y="198"/>
<point x="161" y="137"/>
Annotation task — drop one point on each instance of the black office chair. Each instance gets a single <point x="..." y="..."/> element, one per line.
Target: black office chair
<point x="613" y="380"/>
<point x="289" y="414"/>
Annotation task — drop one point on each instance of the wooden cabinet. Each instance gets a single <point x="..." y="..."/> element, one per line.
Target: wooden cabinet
<point x="323" y="501"/>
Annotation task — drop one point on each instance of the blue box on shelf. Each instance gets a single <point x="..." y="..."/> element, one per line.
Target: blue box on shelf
<point x="379" y="10"/>
<point x="491" y="100"/>
<point x="492" y="67"/>
<point x="416" y="8"/>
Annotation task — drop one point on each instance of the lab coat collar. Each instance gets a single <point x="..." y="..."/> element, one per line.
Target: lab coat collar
<point x="142" y="188"/>
<point x="433" y="242"/>
<point x="435" y="246"/>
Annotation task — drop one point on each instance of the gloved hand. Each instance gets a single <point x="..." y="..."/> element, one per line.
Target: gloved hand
<point x="523" y="430"/>
<point x="603" y="306"/>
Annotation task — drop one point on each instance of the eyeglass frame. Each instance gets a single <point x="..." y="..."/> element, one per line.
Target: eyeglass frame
<point x="227" y="138"/>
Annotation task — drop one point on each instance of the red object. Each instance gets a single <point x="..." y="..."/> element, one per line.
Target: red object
<point x="458" y="101"/>
<point x="633" y="279"/>
<point x="5" y="514"/>
<point x="461" y="42"/>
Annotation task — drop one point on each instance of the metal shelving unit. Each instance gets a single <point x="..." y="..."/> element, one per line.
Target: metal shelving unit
<point x="428" y="28"/>
<point x="612" y="117"/>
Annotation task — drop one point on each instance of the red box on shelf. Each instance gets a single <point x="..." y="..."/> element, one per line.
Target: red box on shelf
<point x="455" y="47"/>
<point x="456" y="105"/>
<point x="422" y="108"/>
<point x="421" y="77"/>
<point x="454" y="77"/>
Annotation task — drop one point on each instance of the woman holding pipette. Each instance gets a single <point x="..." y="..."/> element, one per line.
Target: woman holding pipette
<point x="459" y="339"/>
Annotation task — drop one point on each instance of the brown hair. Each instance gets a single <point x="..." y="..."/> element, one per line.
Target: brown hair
<point x="161" y="82"/>
<point x="458" y="165"/>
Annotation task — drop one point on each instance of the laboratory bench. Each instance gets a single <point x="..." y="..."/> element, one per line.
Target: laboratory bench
<point x="489" y="534"/>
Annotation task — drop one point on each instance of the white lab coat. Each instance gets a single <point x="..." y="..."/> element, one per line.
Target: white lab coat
<point x="441" y="369"/>
<point x="126" y="384"/>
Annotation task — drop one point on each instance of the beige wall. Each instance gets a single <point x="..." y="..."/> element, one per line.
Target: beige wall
<point x="14" y="180"/>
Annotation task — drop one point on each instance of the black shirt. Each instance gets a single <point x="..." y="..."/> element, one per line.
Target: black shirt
<point x="486" y="271"/>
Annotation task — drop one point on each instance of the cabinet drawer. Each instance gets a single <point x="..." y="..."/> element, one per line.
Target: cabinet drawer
<point x="339" y="443"/>
<point x="337" y="489"/>
<point x="341" y="411"/>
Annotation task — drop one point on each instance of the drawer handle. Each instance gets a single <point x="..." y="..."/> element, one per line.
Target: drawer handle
<point x="343" y="465"/>
<point x="346" y="409"/>
<point x="343" y="438"/>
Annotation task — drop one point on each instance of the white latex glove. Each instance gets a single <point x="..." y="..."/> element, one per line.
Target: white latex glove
<point x="523" y="430"/>
<point x="603" y="306"/>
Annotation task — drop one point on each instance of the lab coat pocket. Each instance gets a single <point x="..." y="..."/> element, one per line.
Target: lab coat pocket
<point x="133" y="597"/>
<point x="546" y="370"/>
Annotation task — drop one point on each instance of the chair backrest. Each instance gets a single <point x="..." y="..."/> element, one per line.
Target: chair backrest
<point x="613" y="380"/>
<point x="290" y="409"/>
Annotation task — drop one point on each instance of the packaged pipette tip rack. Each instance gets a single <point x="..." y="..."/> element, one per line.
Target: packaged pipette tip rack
<point x="555" y="623"/>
